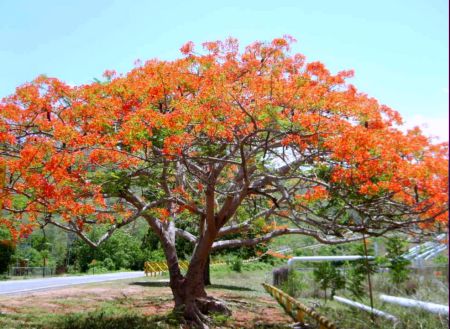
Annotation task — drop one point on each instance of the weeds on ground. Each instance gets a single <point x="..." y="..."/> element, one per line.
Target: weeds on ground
<point x="417" y="287"/>
<point x="114" y="317"/>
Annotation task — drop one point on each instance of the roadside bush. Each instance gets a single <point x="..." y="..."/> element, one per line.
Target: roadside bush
<point x="108" y="264"/>
<point x="235" y="264"/>
<point x="122" y="249"/>
<point x="96" y="267"/>
<point x="295" y="284"/>
<point x="33" y="256"/>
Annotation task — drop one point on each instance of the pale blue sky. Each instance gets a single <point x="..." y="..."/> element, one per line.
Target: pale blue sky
<point x="398" y="48"/>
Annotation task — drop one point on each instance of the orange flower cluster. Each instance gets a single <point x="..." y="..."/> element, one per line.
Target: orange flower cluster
<point x="313" y="194"/>
<point x="56" y="139"/>
<point x="272" y="227"/>
<point x="162" y="214"/>
<point x="277" y="255"/>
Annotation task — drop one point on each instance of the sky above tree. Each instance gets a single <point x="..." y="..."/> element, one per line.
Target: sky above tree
<point x="398" y="49"/>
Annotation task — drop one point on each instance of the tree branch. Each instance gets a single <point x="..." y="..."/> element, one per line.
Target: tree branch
<point x="252" y="242"/>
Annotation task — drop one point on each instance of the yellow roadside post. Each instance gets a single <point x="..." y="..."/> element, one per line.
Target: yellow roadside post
<point x="160" y="270"/>
<point x="147" y="268"/>
<point x="296" y="309"/>
<point x="288" y="306"/>
<point x="153" y="269"/>
<point x="300" y="316"/>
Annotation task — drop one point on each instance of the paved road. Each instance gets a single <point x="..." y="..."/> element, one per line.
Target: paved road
<point x="24" y="286"/>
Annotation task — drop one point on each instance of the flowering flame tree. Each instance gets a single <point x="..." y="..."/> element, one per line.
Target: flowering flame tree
<point x="219" y="135"/>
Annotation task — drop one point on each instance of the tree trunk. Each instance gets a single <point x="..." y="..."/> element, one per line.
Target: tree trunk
<point x="206" y="273"/>
<point x="193" y="303"/>
<point x="191" y="299"/>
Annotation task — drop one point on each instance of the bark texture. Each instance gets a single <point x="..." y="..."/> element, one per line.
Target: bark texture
<point x="191" y="299"/>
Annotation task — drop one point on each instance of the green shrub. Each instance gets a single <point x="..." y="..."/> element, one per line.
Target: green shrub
<point x="328" y="277"/>
<point x="96" y="267"/>
<point x="295" y="284"/>
<point x="235" y="264"/>
<point x="33" y="256"/>
<point x="397" y="264"/>
<point x="356" y="275"/>
<point x="359" y="270"/>
<point x="123" y="249"/>
<point x="109" y="264"/>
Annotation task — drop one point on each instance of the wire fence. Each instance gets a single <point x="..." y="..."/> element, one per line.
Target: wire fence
<point x="31" y="271"/>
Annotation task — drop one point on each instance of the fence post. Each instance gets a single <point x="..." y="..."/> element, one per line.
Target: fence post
<point x="300" y="316"/>
<point x="288" y="306"/>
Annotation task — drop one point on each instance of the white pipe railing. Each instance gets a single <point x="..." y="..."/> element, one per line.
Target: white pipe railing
<point x="430" y="251"/>
<point x="366" y="308"/>
<point x="406" y="302"/>
<point x="420" y="246"/>
<point x="285" y="250"/>
<point x="427" y="250"/>
<point x="325" y="258"/>
<point x="436" y="252"/>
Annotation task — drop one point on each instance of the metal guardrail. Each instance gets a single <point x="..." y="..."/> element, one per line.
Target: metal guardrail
<point x="297" y="310"/>
<point x="159" y="268"/>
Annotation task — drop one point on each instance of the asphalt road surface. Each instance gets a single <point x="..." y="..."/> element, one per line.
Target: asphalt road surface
<point x="25" y="286"/>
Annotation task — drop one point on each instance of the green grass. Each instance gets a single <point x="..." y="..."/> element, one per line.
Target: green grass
<point x="87" y="307"/>
<point x="248" y="280"/>
<point x="243" y="292"/>
<point x="348" y="317"/>
<point x="28" y="320"/>
<point x="108" y="315"/>
<point x="113" y="316"/>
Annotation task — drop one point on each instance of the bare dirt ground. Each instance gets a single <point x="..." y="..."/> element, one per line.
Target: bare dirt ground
<point x="250" y="307"/>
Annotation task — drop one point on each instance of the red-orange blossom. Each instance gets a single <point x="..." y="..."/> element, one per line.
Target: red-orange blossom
<point x="211" y="133"/>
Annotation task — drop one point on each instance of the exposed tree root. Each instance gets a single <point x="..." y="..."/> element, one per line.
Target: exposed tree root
<point x="196" y="313"/>
<point x="208" y="305"/>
